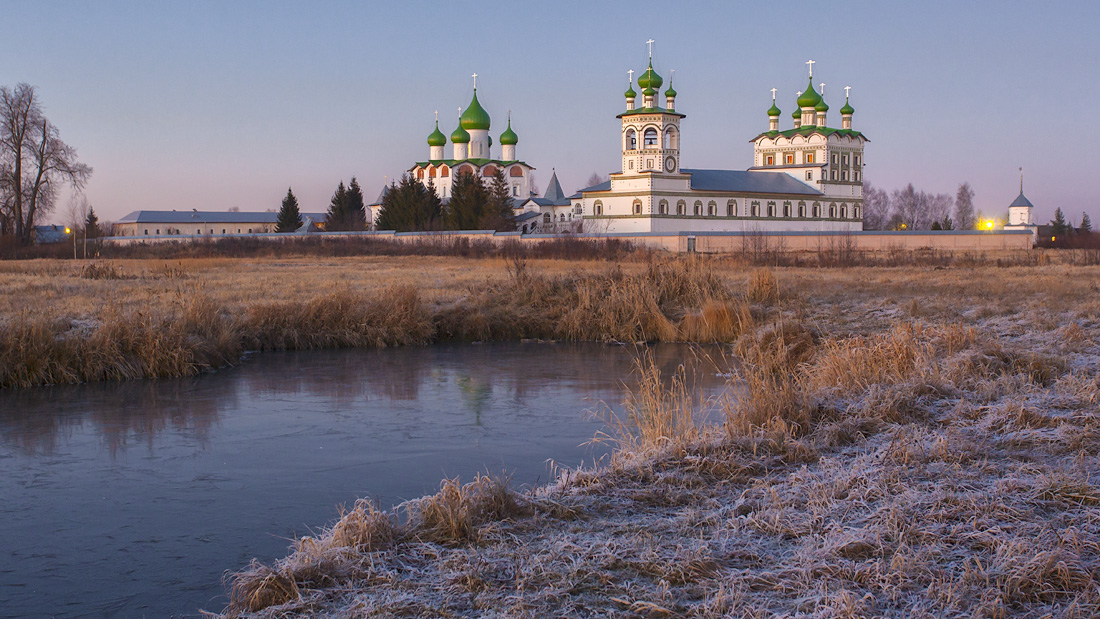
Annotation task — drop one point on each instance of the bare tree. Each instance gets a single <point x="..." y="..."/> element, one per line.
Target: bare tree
<point x="937" y="208"/>
<point x="533" y="185"/>
<point x="876" y="207"/>
<point x="595" y="179"/>
<point x="34" y="162"/>
<point x="964" y="208"/>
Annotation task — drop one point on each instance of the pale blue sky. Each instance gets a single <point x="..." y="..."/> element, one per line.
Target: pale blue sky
<point x="211" y="105"/>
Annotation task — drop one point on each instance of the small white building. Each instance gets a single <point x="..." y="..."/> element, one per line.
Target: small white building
<point x="1021" y="213"/>
<point x="555" y="211"/>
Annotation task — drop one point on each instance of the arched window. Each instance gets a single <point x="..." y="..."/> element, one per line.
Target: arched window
<point x="637" y="207"/>
<point x="562" y="217"/>
<point x="801" y="209"/>
<point x="731" y="209"/>
<point x="420" y="173"/>
<point x="817" y="209"/>
<point x="671" y="141"/>
<point x="681" y="207"/>
<point x="786" y="209"/>
<point x="698" y="208"/>
<point x="663" y="207"/>
<point x="650" y="137"/>
<point x="631" y="140"/>
<point x="577" y="208"/>
<point x="597" y="207"/>
<point x="844" y="210"/>
<point x="832" y="210"/>
<point x="546" y="217"/>
<point x="431" y="171"/>
<point x="771" y="209"/>
<point x="515" y="172"/>
<point x="855" y="212"/>
<point x="444" y="171"/>
<point x="489" y="170"/>
<point x="466" y="169"/>
<point x="712" y="208"/>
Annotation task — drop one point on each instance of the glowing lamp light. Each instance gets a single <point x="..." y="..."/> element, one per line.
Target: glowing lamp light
<point x="68" y="231"/>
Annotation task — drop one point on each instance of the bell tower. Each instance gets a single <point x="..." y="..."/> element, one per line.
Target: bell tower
<point x="650" y="133"/>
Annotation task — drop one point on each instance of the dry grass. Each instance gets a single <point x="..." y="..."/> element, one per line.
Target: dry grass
<point x="872" y="461"/>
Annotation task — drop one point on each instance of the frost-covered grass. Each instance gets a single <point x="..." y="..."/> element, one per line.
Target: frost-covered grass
<point x="896" y="443"/>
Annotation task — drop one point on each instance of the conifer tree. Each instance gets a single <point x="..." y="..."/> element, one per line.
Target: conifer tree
<point x="356" y="207"/>
<point x="410" y="206"/>
<point x="466" y="206"/>
<point x="290" y="218"/>
<point x="1086" y="224"/>
<point x="91" y="224"/>
<point x="337" y="207"/>
<point x="1058" y="226"/>
<point x="498" y="213"/>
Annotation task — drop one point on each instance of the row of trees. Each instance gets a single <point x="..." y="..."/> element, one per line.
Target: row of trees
<point x="35" y="164"/>
<point x="410" y="205"/>
<point x="909" y="209"/>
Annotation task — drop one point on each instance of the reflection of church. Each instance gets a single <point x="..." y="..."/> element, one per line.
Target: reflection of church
<point x="805" y="178"/>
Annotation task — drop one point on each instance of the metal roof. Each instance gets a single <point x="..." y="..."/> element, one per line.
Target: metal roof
<point x="740" y="181"/>
<point x="553" y="190"/>
<point x="748" y="181"/>
<point x="209" y="217"/>
<point x="1021" y="201"/>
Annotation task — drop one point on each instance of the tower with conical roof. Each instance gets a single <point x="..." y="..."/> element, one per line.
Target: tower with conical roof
<point x="1020" y="211"/>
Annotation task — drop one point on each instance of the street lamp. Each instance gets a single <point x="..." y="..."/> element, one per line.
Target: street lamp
<point x="69" y="230"/>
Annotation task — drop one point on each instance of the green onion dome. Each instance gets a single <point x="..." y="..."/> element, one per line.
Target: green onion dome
<point x="490" y="140"/>
<point x="630" y="94"/>
<point x="774" y="111"/>
<point x="670" y="92"/>
<point x="460" y="136"/>
<point x="649" y="92"/>
<point x="509" y="137"/>
<point x="810" y="98"/>
<point x="437" y="138"/>
<point x="796" y="114"/>
<point x="650" y="78"/>
<point x="822" y="107"/>
<point x="847" y="109"/>
<point x="475" y="116"/>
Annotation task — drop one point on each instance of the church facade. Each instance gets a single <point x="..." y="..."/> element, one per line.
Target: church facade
<point x="807" y="178"/>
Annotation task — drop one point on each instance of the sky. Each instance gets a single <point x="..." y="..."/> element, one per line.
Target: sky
<point x="212" y="105"/>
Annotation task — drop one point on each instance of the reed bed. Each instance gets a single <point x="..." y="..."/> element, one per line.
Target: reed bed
<point x="932" y="466"/>
<point x="668" y="300"/>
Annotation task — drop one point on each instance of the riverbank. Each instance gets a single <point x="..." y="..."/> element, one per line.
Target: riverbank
<point x="66" y="322"/>
<point x="899" y="443"/>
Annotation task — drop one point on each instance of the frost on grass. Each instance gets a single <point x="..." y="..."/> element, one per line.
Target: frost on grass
<point x="918" y="469"/>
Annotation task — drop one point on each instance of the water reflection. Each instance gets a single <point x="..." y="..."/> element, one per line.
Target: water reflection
<point x="137" y="495"/>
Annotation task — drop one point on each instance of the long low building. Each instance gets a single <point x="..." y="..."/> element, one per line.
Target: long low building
<point x="213" y="223"/>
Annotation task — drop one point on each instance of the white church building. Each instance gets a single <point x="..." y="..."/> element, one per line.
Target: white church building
<point x="806" y="178"/>
<point x="471" y="152"/>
